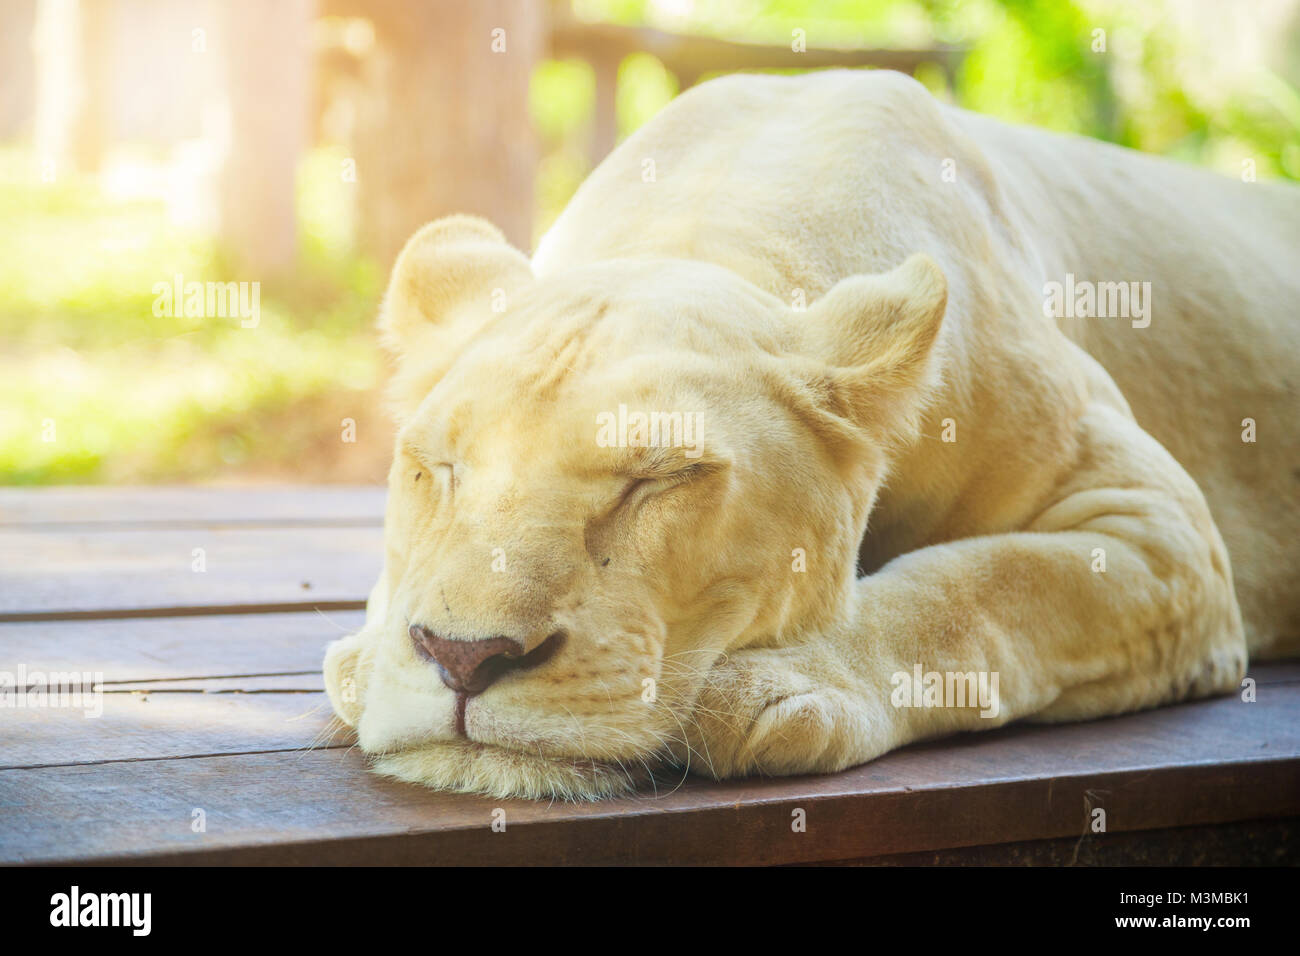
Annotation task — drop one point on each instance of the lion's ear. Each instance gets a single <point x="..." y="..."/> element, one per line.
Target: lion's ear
<point x="448" y="265"/>
<point x="452" y="276"/>
<point x="878" y="333"/>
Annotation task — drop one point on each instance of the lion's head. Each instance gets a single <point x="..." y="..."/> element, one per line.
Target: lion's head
<point x="604" y="481"/>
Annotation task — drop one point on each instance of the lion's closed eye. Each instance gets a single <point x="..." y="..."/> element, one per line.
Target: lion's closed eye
<point x="639" y="487"/>
<point x="634" y="490"/>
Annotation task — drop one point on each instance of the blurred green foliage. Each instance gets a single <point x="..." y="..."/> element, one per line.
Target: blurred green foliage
<point x="134" y="397"/>
<point x="1109" y="69"/>
<point x="1038" y="62"/>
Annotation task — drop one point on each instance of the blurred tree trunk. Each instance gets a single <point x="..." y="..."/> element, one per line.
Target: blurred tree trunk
<point x="446" y="124"/>
<point x="268" y="50"/>
<point x="89" y="139"/>
<point x="56" y="45"/>
<point x="17" y="67"/>
<point x="604" y="136"/>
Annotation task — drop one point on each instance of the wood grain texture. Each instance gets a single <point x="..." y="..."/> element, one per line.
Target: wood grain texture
<point x="1262" y="842"/>
<point x="171" y="687"/>
<point x="1209" y="762"/>
<point x="211" y="705"/>
<point x="184" y="647"/>
<point x="50" y="508"/>
<point x="156" y="725"/>
<point x="55" y="573"/>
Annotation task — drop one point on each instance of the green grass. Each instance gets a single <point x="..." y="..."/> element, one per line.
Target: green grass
<point x="94" y="386"/>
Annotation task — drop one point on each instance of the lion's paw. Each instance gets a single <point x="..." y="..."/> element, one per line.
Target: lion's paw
<point x="791" y="734"/>
<point x="758" y="714"/>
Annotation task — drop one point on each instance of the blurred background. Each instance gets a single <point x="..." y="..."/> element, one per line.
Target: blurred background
<point x="149" y="144"/>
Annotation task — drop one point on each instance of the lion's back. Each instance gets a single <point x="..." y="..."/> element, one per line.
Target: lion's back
<point x="797" y="182"/>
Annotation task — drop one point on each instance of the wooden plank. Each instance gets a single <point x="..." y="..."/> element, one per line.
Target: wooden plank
<point x="136" y="726"/>
<point x="187" y="506"/>
<point x="228" y="706"/>
<point x="691" y="56"/>
<point x="152" y="670"/>
<point x="1209" y="762"/>
<point x="151" y="649"/>
<point x="95" y="574"/>
<point x="1251" y="843"/>
<point x="160" y="678"/>
<point x="315" y="809"/>
<point x="170" y="687"/>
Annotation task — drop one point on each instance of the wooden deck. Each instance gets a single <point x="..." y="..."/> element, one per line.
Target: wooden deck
<point x="213" y="702"/>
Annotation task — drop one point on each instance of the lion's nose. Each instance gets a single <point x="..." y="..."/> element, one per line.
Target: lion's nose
<point x="467" y="667"/>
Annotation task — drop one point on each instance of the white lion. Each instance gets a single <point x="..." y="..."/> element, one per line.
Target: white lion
<point x="1039" y="383"/>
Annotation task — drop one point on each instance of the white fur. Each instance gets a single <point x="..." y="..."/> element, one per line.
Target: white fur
<point x="1073" y="437"/>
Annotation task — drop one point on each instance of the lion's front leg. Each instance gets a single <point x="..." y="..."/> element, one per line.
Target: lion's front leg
<point x="1117" y="597"/>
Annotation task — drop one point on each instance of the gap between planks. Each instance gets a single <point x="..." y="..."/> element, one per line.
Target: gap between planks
<point x="111" y="614"/>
